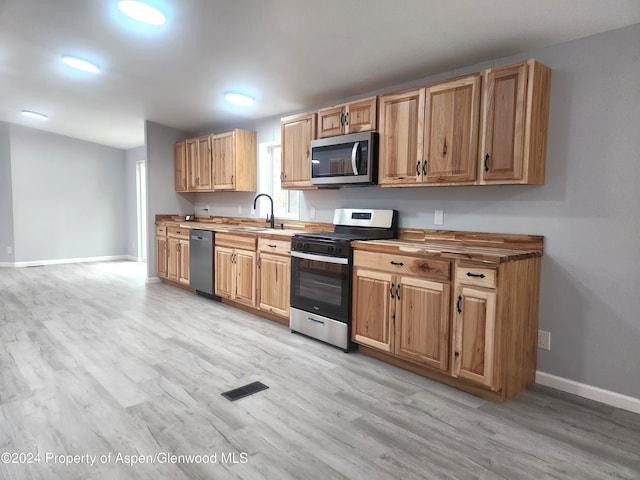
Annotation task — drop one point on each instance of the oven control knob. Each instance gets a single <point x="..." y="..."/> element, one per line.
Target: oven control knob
<point x="330" y="249"/>
<point x="306" y="246"/>
<point x="298" y="245"/>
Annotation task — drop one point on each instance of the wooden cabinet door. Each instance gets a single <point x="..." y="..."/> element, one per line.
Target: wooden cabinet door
<point x="183" y="269"/>
<point x="422" y="322"/>
<point x="203" y="164"/>
<point x="161" y="256"/>
<point x="503" y="125"/>
<point x="361" y="115"/>
<point x="296" y="135"/>
<point x="373" y="309"/>
<point x="224" y="272"/>
<point x="400" y="125"/>
<point x="223" y="158"/>
<point x="173" y="260"/>
<point x="180" y="152"/>
<point x="192" y="164"/>
<point x="245" y="273"/>
<point x="274" y="281"/>
<point x="451" y="131"/>
<point x="474" y="344"/>
<point x="331" y="121"/>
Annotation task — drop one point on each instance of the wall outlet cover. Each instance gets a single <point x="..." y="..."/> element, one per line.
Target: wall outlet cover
<point x="544" y="340"/>
<point x="438" y="217"/>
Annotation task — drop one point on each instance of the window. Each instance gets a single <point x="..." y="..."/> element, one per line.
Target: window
<point x="286" y="203"/>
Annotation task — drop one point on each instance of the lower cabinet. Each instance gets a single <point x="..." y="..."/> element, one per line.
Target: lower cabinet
<point x="274" y="276"/>
<point x="161" y="251"/>
<point x="177" y="255"/>
<point x="480" y="338"/>
<point x="235" y="268"/>
<point x="405" y="315"/>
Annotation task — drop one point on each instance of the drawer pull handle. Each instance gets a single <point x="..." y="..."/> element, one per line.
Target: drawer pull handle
<point x="272" y="246"/>
<point x="397" y="264"/>
<point x="476" y="275"/>
<point x="398" y="291"/>
<point x="458" y="304"/>
<point x="391" y="290"/>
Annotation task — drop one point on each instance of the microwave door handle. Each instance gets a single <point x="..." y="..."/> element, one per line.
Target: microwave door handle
<point x="354" y="156"/>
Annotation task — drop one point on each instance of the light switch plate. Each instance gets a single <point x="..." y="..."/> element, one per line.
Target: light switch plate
<point x="438" y="217"/>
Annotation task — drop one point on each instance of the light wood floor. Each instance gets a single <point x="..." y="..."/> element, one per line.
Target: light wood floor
<point x="94" y="361"/>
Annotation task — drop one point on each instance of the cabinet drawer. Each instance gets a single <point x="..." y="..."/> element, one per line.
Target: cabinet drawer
<point x="244" y="242"/>
<point x="403" y="264"/>
<point x="478" y="276"/>
<point x="161" y="230"/>
<point x="269" y="245"/>
<point x="178" y="232"/>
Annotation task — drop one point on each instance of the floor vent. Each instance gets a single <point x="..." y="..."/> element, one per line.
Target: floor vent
<point x="244" y="391"/>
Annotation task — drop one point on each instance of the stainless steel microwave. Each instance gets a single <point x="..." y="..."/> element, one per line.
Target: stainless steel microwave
<point x="345" y="160"/>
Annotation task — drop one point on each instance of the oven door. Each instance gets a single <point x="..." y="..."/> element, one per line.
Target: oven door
<point x="321" y="284"/>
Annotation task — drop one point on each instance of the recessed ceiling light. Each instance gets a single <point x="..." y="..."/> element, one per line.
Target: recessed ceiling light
<point x="239" y="99"/>
<point x="31" y="114"/>
<point x="80" y="64"/>
<point x="142" y="12"/>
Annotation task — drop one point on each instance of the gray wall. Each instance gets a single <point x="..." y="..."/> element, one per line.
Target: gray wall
<point x="132" y="157"/>
<point x="68" y="197"/>
<point x="587" y="209"/>
<point x="6" y="196"/>
<point x="161" y="195"/>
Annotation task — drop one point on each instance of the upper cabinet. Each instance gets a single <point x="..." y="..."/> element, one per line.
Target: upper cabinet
<point x="485" y="128"/>
<point x="352" y="117"/>
<point x="227" y="161"/>
<point x="296" y="132"/>
<point x="515" y="116"/>
<point x="451" y="131"/>
<point x="234" y="161"/>
<point x="400" y="126"/>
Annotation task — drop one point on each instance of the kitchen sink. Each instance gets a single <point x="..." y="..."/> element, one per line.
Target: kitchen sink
<point x="250" y="229"/>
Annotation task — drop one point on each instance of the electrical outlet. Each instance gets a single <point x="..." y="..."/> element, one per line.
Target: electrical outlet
<point x="438" y="217"/>
<point x="312" y="212"/>
<point x="544" y="340"/>
<point x="240" y="209"/>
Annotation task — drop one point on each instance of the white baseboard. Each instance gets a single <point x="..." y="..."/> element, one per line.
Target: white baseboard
<point x="154" y="280"/>
<point x="601" y="395"/>
<point x="74" y="260"/>
<point x="6" y="264"/>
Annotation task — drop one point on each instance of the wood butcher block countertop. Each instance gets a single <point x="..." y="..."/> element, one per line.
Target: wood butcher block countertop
<point x="241" y="229"/>
<point x="476" y="253"/>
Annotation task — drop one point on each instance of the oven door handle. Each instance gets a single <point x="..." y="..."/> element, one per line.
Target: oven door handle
<point x="320" y="258"/>
<point x="354" y="158"/>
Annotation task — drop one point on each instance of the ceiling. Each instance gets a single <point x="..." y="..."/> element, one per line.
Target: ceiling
<point x="289" y="54"/>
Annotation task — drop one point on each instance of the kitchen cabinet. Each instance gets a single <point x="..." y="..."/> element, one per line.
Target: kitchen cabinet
<point x="161" y="251"/>
<point x="198" y="160"/>
<point x="352" y="117"/>
<point x="474" y="326"/>
<point x="515" y="116"/>
<point x="178" y="255"/>
<point x="234" y="158"/>
<point x="458" y="307"/>
<point x="401" y="130"/>
<point x="452" y="115"/>
<point x="235" y="267"/>
<point x="296" y="133"/>
<point x="180" y="153"/>
<point x="274" y="276"/>
<point x="401" y="306"/>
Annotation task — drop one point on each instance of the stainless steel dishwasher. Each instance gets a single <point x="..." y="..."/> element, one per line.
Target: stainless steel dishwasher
<point x="201" y="262"/>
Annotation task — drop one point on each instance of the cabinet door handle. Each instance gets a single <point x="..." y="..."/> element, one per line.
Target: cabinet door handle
<point x="397" y="264"/>
<point x="391" y="290"/>
<point x="342" y="119"/>
<point x="457" y="354"/>
<point x="398" y="291"/>
<point x="476" y="275"/>
<point x="458" y="307"/>
<point x="346" y="119"/>
<point x="424" y="168"/>
<point x="258" y="262"/>
<point x="487" y="157"/>
<point x="418" y="168"/>
<point x="444" y="148"/>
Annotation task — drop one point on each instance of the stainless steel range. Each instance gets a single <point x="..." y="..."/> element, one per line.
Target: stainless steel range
<point x="321" y="273"/>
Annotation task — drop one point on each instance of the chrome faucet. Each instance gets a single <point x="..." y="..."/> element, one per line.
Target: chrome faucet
<point x="271" y="219"/>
